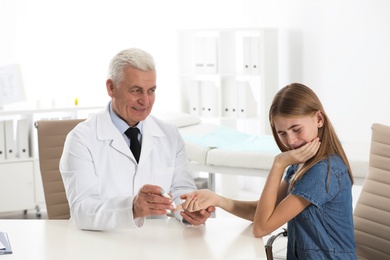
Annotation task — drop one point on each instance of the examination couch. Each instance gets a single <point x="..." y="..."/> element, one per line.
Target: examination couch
<point x="213" y="148"/>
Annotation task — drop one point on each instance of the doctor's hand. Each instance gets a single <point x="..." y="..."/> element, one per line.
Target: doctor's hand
<point x="194" y="212"/>
<point x="198" y="217"/>
<point x="149" y="201"/>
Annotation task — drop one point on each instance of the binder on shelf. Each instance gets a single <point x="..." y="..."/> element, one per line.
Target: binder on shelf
<point x="211" y="57"/>
<point x="22" y="139"/>
<point x="194" y="98"/>
<point x="199" y="65"/>
<point x="246" y="55"/>
<point x="255" y="58"/>
<point x="10" y="151"/>
<point x="208" y="99"/>
<point x="251" y="50"/>
<point x="205" y="55"/>
<point x="229" y="99"/>
<point x="246" y="102"/>
<point x="2" y="141"/>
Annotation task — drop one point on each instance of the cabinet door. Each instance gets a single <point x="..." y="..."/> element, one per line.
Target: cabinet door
<point x="16" y="186"/>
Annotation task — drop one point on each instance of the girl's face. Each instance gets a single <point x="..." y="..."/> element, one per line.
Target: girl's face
<point x="295" y="131"/>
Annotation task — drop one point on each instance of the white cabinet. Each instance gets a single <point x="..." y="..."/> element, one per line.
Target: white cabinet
<point x="17" y="185"/>
<point x="229" y="76"/>
<point x="20" y="179"/>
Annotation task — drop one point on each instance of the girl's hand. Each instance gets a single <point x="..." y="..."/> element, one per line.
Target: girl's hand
<point x="300" y="155"/>
<point x="198" y="200"/>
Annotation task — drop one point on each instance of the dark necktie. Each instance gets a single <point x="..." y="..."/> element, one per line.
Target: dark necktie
<point x="135" y="145"/>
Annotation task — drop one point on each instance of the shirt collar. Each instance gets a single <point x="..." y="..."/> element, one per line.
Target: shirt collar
<point x="120" y="124"/>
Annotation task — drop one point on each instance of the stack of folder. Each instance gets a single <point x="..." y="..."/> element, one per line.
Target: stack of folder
<point x="14" y="139"/>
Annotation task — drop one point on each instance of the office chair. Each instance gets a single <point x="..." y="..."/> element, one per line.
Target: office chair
<point x="372" y="211"/>
<point x="51" y="138"/>
<point x="270" y="241"/>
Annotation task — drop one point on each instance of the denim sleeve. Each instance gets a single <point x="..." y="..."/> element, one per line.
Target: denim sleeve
<point x="290" y="172"/>
<point x="314" y="185"/>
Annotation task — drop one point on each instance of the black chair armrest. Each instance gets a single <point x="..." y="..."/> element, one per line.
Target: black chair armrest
<point x="270" y="241"/>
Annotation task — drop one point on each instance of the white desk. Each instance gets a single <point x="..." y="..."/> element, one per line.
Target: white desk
<point x="224" y="238"/>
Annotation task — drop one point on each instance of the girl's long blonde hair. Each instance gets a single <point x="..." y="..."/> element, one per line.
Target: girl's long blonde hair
<point x="299" y="100"/>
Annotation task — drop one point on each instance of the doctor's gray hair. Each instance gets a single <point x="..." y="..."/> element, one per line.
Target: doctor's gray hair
<point x="133" y="57"/>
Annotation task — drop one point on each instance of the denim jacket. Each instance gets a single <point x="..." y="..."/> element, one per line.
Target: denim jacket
<point x="324" y="229"/>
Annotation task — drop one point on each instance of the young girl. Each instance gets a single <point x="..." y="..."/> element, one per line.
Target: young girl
<point x="315" y="195"/>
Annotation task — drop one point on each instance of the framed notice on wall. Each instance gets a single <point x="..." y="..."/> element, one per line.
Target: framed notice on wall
<point x="11" y="86"/>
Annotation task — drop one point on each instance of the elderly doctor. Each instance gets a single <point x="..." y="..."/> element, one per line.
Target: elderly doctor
<point x="105" y="185"/>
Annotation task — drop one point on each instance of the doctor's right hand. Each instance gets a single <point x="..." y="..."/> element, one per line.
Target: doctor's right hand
<point x="149" y="201"/>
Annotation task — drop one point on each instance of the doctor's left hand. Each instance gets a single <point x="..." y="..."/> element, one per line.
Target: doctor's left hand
<point x="149" y="201"/>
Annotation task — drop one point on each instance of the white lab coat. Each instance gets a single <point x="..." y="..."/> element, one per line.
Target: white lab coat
<point x="101" y="176"/>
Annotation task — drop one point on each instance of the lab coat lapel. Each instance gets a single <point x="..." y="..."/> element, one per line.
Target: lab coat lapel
<point x="151" y="131"/>
<point x="106" y="130"/>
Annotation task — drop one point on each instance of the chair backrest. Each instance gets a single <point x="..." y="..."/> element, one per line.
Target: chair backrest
<point x="51" y="138"/>
<point x="372" y="211"/>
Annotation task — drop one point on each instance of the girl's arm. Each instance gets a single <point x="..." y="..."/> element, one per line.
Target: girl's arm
<point x="202" y="199"/>
<point x="274" y="209"/>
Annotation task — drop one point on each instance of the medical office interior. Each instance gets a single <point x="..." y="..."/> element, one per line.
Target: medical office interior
<point x="339" y="48"/>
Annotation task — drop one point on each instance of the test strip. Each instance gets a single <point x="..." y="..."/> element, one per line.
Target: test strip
<point x="165" y="194"/>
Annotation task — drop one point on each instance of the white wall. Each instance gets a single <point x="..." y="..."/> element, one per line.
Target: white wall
<point x="337" y="47"/>
<point x="346" y="59"/>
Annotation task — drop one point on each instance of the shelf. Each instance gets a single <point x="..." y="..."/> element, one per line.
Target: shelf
<point x="241" y="79"/>
<point x="27" y="112"/>
<point x="20" y="179"/>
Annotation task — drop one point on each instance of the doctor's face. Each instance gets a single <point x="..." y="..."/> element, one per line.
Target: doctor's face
<point x="133" y="98"/>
